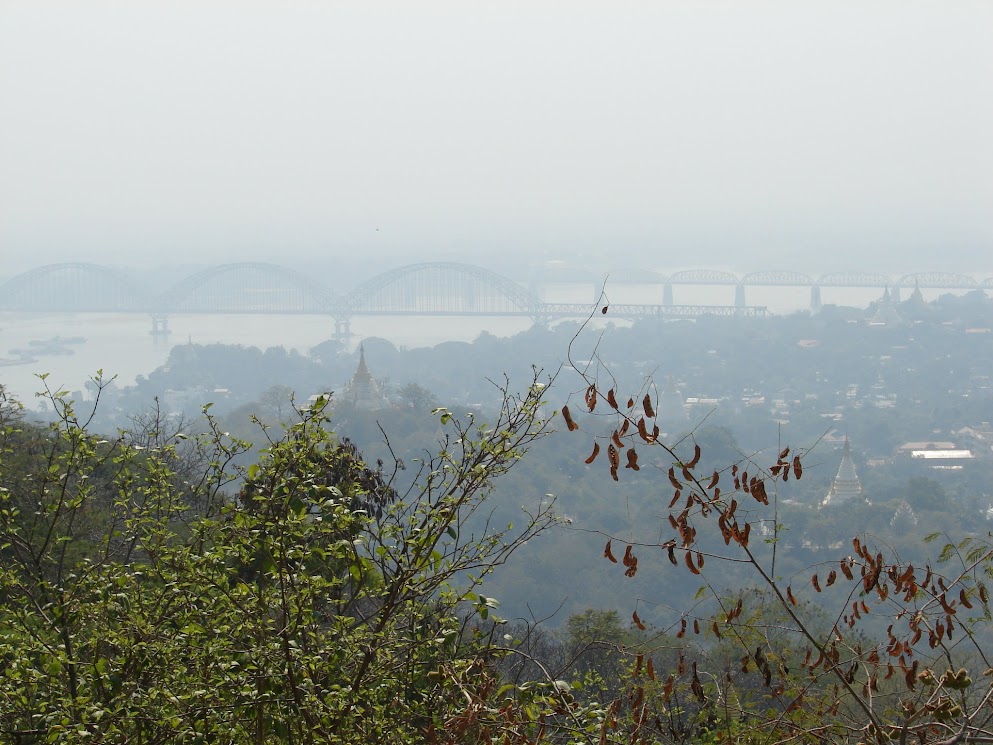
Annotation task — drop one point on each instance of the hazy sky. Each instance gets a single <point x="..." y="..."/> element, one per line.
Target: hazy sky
<point x="809" y="135"/>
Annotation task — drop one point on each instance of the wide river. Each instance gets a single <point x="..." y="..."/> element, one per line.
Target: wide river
<point x="121" y="344"/>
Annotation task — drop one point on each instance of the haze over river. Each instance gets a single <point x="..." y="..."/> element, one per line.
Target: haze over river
<point x="120" y="344"/>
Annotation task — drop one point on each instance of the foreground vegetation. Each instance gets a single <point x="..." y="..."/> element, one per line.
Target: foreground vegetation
<point x="153" y="593"/>
<point x="156" y="590"/>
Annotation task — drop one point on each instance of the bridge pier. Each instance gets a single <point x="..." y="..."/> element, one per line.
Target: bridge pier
<point x="667" y="293"/>
<point x="739" y="296"/>
<point x="895" y="295"/>
<point x="815" y="298"/>
<point x="342" y="330"/>
<point x="160" y="324"/>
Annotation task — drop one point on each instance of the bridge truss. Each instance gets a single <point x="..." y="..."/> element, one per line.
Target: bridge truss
<point x="440" y="288"/>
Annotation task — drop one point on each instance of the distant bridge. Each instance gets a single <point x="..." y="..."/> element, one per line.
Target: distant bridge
<point x="441" y="289"/>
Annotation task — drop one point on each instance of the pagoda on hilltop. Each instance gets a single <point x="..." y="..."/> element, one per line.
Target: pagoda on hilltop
<point x="886" y="312"/>
<point x="362" y="390"/>
<point x="847" y="484"/>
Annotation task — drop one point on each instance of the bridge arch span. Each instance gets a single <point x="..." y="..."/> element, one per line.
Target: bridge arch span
<point x="938" y="281"/>
<point x="442" y="288"/>
<point x="777" y="278"/>
<point x="74" y="288"/>
<point x="854" y="279"/>
<point x="247" y="288"/>
<point x="703" y="277"/>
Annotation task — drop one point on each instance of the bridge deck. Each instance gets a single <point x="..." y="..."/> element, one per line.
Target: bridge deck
<point x="440" y="288"/>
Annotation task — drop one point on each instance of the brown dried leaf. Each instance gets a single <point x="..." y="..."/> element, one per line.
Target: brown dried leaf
<point x="594" y="454"/>
<point x="643" y="430"/>
<point x="949" y="608"/>
<point x="638" y="698"/>
<point x="688" y="558"/>
<point x="612" y="400"/>
<point x="591" y="397"/>
<point x="608" y="553"/>
<point x="567" y="415"/>
<point x="612" y="455"/>
<point x="646" y="404"/>
<point x="797" y="467"/>
<point x="697" y="687"/>
<point x="629" y="558"/>
<point x="633" y="460"/>
<point x="697" y="452"/>
<point x="637" y="622"/>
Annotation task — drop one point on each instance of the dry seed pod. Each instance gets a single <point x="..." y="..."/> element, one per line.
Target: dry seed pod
<point x="594" y="454"/>
<point x="567" y="415"/>
<point x="608" y="553"/>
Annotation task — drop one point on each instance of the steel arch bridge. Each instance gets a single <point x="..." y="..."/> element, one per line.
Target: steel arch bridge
<point x="247" y="288"/>
<point x="702" y="277"/>
<point x="940" y="281"/>
<point x="777" y="279"/>
<point x="442" y="288"/>
<point x="73" y="288"/>
<point x="853" y="279"/>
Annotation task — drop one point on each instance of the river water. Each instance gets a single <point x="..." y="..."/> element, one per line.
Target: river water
<point x="121" y="344"/>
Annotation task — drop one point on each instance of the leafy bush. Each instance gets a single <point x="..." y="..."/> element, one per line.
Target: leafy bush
<point x="153" y="592"/>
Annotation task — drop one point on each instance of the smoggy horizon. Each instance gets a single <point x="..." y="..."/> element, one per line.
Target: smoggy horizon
<point x="816" y="137"/>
